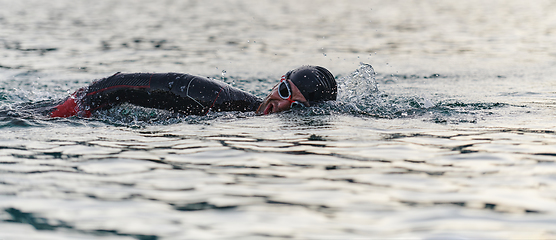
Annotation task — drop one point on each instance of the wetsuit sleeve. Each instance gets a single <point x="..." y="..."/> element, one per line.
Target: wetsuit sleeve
<point x="184" y="93"/>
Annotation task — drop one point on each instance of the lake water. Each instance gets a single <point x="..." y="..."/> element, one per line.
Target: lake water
<point x="444" y="127"/>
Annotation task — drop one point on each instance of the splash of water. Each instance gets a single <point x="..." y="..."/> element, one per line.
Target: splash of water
<point x="358" y="93"/>
<point x="358" y="87"/>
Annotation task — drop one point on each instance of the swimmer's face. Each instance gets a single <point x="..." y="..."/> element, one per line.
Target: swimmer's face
<point x="274" y="103"/>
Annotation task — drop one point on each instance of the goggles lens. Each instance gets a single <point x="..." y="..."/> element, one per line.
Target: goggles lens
<point x="284" y="89"/>
<point x="296" y="104"/>
<point x="285" y="92"/>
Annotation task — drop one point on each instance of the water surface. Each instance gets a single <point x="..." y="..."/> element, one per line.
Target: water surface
<point x="444" y="127"/>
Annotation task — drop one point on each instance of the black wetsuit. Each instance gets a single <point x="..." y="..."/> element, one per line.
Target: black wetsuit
<point x="184" y="93"/>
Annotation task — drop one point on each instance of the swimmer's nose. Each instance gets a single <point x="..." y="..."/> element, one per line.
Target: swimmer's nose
<point x="283" y="105"/>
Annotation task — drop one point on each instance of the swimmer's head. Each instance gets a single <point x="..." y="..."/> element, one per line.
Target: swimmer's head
<point x="314" y="82"/>
<point x="302" y="86"/>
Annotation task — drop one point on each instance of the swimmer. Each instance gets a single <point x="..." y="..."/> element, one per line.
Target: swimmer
<point x="194" y="95"/>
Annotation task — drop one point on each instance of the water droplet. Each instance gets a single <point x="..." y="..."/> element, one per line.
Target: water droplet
<point x="223" y="73"/>
<point x="182" y="88"/>
<point x="324" y="54"/>
<point x="170" y="84"/>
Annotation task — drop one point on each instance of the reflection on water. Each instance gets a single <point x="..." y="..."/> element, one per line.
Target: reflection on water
<point x="452" y="137"/>
<point x="189" y="181"/>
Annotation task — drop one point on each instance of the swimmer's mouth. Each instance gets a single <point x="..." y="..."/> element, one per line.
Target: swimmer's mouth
<point x="268" y="109"/>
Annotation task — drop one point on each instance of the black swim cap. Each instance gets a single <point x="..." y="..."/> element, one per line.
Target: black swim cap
<point x="315" y="83"/>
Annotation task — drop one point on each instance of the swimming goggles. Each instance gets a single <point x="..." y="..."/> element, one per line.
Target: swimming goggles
<point x="285" y="92"/>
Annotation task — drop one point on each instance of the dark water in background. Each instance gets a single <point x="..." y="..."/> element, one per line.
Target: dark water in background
<point x="452" y="138"/>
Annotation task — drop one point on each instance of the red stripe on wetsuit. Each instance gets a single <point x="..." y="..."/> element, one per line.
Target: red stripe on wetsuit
<point x="68" y="108"/>
<point x="213" y="102"/>
<point x="72" y="106"/>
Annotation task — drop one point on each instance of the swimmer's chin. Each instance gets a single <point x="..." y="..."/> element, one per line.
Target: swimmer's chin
<point x="267" y="109"/>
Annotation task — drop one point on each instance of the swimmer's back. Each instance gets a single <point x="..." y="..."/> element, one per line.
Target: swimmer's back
<point x="183" y="93"/>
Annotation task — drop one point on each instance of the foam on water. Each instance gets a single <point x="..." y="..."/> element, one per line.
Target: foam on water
<point x="358" y="95"/>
